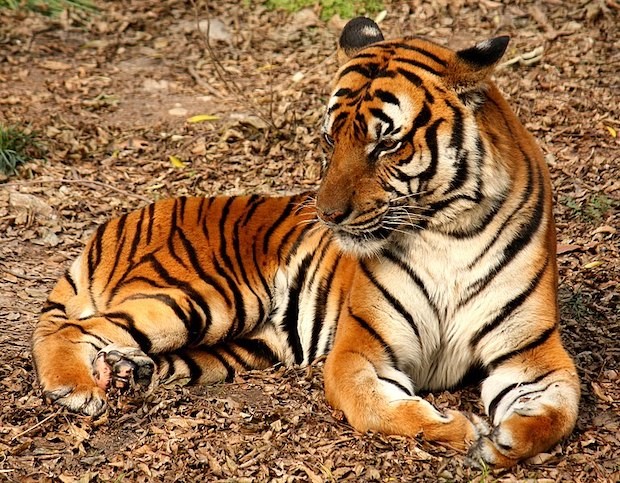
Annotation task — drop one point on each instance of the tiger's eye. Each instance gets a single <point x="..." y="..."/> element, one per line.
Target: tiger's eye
<point x="388" y="144"/>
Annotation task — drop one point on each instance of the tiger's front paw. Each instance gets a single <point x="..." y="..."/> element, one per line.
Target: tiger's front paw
<point x="122" y="368"/>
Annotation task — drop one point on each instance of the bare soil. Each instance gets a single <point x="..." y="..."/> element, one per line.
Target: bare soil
<point x="111" y="95"/>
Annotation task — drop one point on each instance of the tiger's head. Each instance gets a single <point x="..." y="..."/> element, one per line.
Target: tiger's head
<point x="405" y="148"/>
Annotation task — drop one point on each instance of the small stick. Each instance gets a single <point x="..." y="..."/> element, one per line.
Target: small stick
<point x="35" y="426"/>
<point x="79" y="181"/>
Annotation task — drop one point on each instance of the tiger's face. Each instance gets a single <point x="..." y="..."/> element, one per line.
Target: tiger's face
<point x="402" y="138"/>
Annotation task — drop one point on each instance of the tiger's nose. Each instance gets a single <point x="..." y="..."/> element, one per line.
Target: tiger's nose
<point x="333" y="215"/>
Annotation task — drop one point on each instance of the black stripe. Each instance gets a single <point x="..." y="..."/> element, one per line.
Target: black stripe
<point x="413" y="276"/>
<point x="238" y="324"/>
<point x="364" y="69"/>
<point x="259" y="272"/>
<point x="259" y="349"/>
<point x="138" y="278"/>
<point x="192" y="321"/>
<point x="274" y="226"/>
<point x="339" y="120"/>
<point x="397" y="384"/>
<point x="240" y="263"/>
<point x="170" y="370"/>
<point x="422" y="119"/>
<point x="254" y="202"/>
<point x="140" y="337"/>
<point x="94" y="252"/>
<point x="422" y="51"/>
<point x="538" y="341"/>
<point x="509" y="308"/>
<point x="321" y="308"/>
<point x="456" y="142"/>
<point x="359" y="124"/>
<point x="136" y="238"/>
<point x="291" y="313"/>
<point x="151" y="221"/>
<point x="387" y="96"/>
<point x="196" y="266"/>
<point x="497" y="399"/>
<point x="185" y="287"/>
<point x="175" y="229"/>
<point x="367" y="327"/>
<point x="69" y="279"/>
<point x="417" y="63"/>
<point x="182" y="202"/>
<point x="393" y="301"/>
<point x="518" y="243"/>
<point x="230" y="370"/>
<point x="235" y="357"/>
<point x="121" y="235"/>
<point x="286" y="238"/>
<point x="224" y="241"/>
<point x="410" y="76"/>
<point x="49" y="306"/>
<point x="82" y="330"/>
<point x="430" y="137"/>
<point x="344" y="91"/>
<point x="379" y="114"/>
<point x="195" y="371"/>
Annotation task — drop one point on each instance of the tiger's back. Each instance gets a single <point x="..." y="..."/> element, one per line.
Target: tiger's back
<point x="433" y="253"/>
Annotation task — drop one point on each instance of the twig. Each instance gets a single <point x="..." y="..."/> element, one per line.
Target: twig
<point x="35" y="426"/>
<point x="221" y="71"/>
<point x="87" y="182"/>
<point x="19" y="275"/>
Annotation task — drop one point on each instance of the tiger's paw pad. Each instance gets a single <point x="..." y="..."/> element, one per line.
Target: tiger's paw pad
<point x="122" y="368"/>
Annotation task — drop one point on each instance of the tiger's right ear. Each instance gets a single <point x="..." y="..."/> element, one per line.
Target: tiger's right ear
<point x="358" y="33"/>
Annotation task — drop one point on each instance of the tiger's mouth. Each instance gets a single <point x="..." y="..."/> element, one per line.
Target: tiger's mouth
<point x="362" y="242"/>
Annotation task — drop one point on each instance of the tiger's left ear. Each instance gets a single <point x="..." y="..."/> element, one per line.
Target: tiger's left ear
<point x="358" y="33"/>
<point x="472" y="66"/>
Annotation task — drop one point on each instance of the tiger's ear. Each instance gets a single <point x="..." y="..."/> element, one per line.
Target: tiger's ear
<point x="358" y="33"/>
<point x="472" y="66"/>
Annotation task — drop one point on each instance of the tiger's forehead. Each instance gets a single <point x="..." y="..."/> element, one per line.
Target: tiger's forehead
<point x="393" y="58"/>
<point x="386" y="81"/>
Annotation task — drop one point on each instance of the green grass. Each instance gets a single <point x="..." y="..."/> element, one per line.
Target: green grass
<point x="17" y="145"/>
<point x="591" y="210"/>
<point x="344" y="8"/>
<point x="48" y="7"/>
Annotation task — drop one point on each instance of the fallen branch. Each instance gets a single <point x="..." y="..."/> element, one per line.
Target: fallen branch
<point x="87" y="182"/>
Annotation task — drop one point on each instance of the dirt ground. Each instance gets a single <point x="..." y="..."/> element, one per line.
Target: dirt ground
<point x="111" y="96"/>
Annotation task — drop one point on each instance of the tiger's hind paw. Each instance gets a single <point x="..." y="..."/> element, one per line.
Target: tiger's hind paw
<point x="485" y="452"/>
<point x="122" y="368"/>
<point x="85" y="399"/>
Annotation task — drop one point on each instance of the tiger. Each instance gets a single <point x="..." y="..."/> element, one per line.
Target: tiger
<point x="427" y="252"/>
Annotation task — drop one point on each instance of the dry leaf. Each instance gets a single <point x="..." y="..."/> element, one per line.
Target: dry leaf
<point x="202" y="118"/>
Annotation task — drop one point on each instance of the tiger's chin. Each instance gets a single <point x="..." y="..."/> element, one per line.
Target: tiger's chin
<point x="364" y="245"/>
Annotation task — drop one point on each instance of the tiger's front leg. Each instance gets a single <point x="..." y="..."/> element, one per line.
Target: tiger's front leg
<point x="362" y="380"/>
<point x="532" y="401"/>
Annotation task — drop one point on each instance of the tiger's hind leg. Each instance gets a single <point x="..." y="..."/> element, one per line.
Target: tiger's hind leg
<point x="64" y="353"/>
<point x="78" y="352"/>
<point x="532" y="400"/>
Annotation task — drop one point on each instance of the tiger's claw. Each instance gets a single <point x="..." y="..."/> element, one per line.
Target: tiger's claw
<point x="122" y="368"/>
